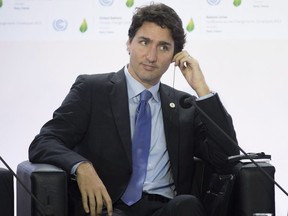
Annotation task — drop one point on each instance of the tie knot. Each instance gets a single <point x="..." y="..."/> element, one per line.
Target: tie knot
<point x="145" y="95"/>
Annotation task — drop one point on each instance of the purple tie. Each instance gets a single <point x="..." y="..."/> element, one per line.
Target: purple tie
<point x="140" y="150"/>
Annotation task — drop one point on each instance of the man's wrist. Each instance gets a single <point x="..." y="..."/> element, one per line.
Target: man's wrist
<point x="73" y="173"/>
<point x="202" y="90"/>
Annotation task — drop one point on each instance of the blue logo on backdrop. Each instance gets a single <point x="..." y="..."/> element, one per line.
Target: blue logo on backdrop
<point x="60" y="24"/>
<point x="106" y="2"/>
<point x="213" y="2"/>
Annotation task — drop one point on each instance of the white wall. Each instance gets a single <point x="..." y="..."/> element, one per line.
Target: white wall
<point x="249" y="73"/>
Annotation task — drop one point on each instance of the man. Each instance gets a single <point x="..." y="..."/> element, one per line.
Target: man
<point x="92" y="134"/>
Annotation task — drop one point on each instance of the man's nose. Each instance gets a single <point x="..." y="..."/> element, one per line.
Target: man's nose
<point x="152" y="54"/>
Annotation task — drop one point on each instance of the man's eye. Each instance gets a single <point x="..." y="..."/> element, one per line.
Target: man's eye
<point x="144" y="42"/>
<point x="164" y="48"/>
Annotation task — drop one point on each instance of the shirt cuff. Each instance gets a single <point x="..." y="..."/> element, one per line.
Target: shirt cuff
<point x="73" y="170"/>
<point x="206" y="96"/>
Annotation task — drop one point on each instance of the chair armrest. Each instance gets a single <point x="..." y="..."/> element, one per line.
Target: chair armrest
<point x="253" y="192"/>
<point x="7" y="192"/>
<point x="46" y="182"/>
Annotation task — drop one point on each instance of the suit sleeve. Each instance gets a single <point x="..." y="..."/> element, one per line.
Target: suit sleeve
<point x="60" y="135"/>
<point x="212" y="144"/>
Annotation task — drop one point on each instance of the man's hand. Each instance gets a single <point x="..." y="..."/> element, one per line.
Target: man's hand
<point x="93" y="192"/>
<point x="191" y="70"/>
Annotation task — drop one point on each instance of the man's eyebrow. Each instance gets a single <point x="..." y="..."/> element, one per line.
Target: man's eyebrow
<point x="160" y="42"/>
<point x="165" y="43"/>
<point x="144" y="38"/>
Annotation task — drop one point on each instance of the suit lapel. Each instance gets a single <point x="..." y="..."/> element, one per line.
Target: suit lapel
<point x="120" y="109"/>
<point x="170" y="111"/>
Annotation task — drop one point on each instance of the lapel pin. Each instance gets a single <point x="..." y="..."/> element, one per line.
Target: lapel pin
<point x="172" y="105"/>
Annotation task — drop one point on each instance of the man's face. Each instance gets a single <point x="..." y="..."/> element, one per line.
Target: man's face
<point x="151" y="52"/>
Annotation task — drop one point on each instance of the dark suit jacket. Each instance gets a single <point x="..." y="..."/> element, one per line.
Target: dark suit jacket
<point x="93" y="124"/>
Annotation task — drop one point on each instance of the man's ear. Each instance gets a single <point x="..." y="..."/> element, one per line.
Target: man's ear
<point x="128" y="45"/>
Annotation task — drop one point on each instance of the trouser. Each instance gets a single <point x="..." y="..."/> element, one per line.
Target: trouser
<point x="153" y="205"/>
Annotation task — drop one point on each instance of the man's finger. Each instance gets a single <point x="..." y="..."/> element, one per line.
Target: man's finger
<point x="99" y="201"/>
<point x="108" y="204"/>
<point x="85" y="202"/>
<point x="92" y="205"/>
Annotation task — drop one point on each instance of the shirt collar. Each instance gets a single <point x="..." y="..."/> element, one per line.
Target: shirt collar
<point x="135" y="87"/>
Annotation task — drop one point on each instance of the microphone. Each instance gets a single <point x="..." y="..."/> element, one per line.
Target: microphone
<point x="189" y="101"/>
<point x="44" y="210"/>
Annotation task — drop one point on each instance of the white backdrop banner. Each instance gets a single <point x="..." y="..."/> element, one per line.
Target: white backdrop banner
<point x="109" y="19"/>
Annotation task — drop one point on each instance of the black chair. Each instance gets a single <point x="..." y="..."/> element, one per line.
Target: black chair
<point x="242" y="192"/>
<point x="45" y="182"/>
<point x="6" y="193"/>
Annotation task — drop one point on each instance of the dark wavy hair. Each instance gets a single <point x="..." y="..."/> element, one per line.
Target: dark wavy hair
<point x="163" y="16"/>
